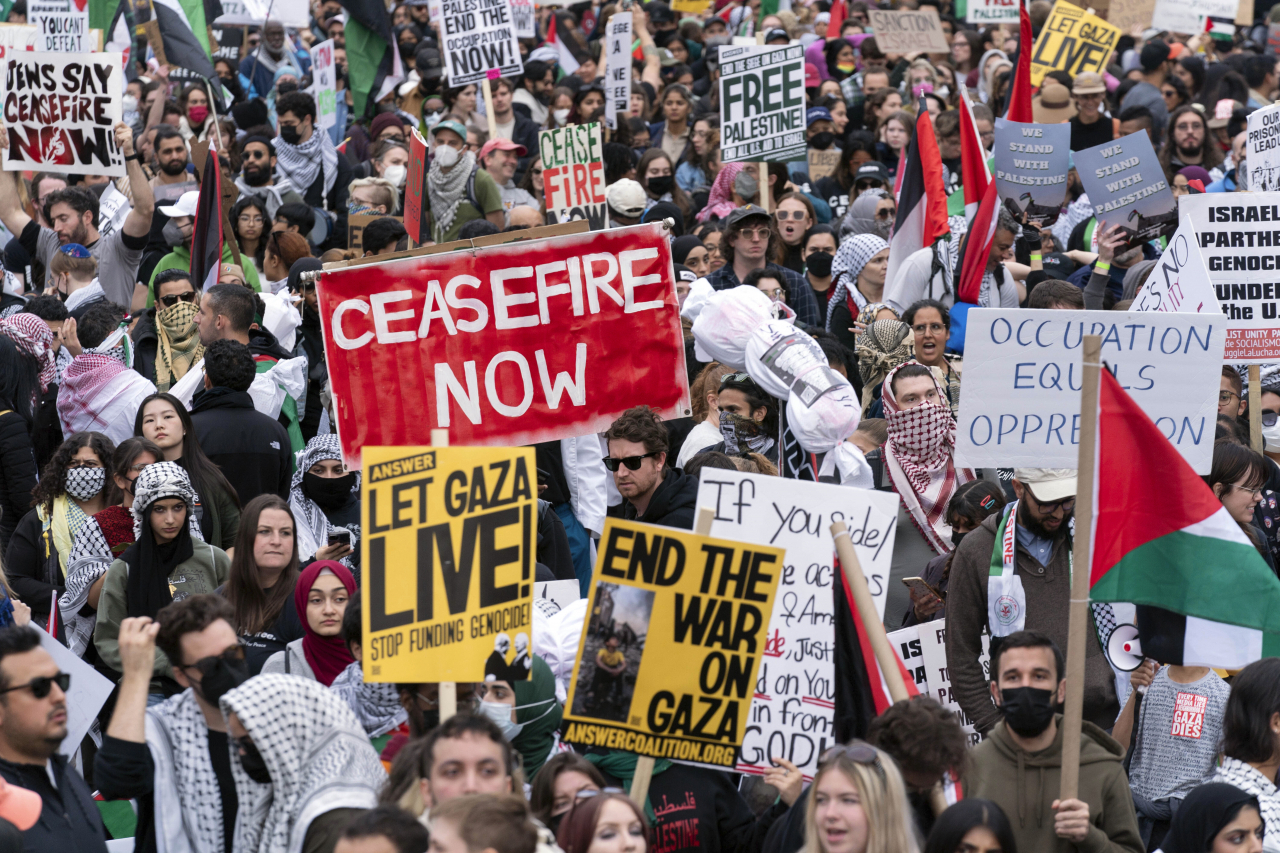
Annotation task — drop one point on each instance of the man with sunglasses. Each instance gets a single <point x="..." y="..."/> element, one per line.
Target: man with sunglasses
<point x="173" y="758"/>
<point x="654" y="493"/>
<point x="1013" y="573"/>
<point x="749" y="241"/>
<point x="176" y="303"/>
<point x="33" y="724"/>
<point x="257" y="176"/>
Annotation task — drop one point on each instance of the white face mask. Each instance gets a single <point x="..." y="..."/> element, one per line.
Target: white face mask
<point x="1271" y="434"/>
<point x="396" y="173"/>
<point x="561" y="116"/>
<point x="446" y="155"/>
<point x="500" y="714"/>
<point x="129" y="103"/>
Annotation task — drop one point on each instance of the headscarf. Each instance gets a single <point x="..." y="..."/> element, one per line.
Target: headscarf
<point x="150" y="563"/>
<point x="720" y="199"/>
<point x="861" y="216"/>
<point x="882" y="347"/>
<point x="539" y="712"/>
<point x="317" y="754"/>
<point x="327" y="656"/>
<point x="851" y="257"/>
<point x="447" y="190"/>
<point x="981" y="81"/>
<point x="920" y="458"/>
<point x="1203" y="814"/>
<point x="313" y="526"/>
<point x="32" y="336"/>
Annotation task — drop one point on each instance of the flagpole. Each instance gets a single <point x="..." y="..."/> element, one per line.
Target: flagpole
<point x="1255" y="408"/>
<point x="1078" y="626"/>
<point x="257" y="54"/>
<point x="447" y="691"/>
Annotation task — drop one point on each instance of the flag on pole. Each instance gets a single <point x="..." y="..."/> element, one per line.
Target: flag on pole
<point x="1020" y="94"/>
<point x="118" y="38"/>
<point x="839" y="11"/>
<point x="974" y="173"/>
<point x="373" y="62"/>
<point x="184" y="46"/>
<point x="560" y="35"/>
<point x="206" y="233"/>
<point x="922" y="199"/>
<point x="1205" y="596"/>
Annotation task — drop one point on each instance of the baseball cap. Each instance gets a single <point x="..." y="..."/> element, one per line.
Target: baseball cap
<point x="1222" y="113"/>
<point x="777" y="33"/>
<point x="450" y="124"/>
<point x="20" y="806"/>
<point x="186" y="205"/>
<point x="626" y="198"/>
<point x="740" y="213"/>
<point x="427" y="63"/>
<point x="812" y="79"/>
<point x="1154" y="54"/>
<point x="817" y="114"/>
<point x="501" y="144"/>
<point x="1058" y="265"/>
<point x="1048" y="485"/>
<point x="872" y="170"/>
<point x="683" y="273"/>
<point x="1088" y="83"/>
<point x="659" y="13"/>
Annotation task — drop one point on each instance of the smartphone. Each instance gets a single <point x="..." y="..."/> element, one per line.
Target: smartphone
<point x="340" y="536"/>
<point x="920" y="586"/>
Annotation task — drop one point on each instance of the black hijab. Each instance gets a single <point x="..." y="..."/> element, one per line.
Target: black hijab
<point x="1203" y="814"/>
<point x="150" y="564"/>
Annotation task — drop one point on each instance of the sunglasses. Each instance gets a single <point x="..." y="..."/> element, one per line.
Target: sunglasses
<point x="632" y="462"/>
<point x="1269" y="418"/>
<point x="797" y="215"/>
<point x="40" y="687"/>
<point x="858" y="752"/>
<point x="207" y="665"/>
<point x="886" y="214"/>
<point x="174" y="298"/>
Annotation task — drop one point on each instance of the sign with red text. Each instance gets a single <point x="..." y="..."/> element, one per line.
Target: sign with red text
<point x="506" y="345"/>
<point x="324" y="84"/>
<point x="573" y="174"/>
<point x="1180" y="281"/>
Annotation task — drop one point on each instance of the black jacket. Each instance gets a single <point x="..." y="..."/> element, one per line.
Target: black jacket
<point x="553" y="543"/>
<point x="31" y="564"/>
<point x="262" y="342"/>
<point x="69" y="821"/>
<point x="525" y="132"/>
<point x="17" y="472"/>
<point x="672" y="505"/>
<point x="146" y="344"/>
<point x="252" y="449"/>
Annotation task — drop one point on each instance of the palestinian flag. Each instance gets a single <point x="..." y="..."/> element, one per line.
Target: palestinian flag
<point x="861" y="692"/>
<point x="185" y="45"/>
<point x="561" y="36"/>
<point x="373" y="63"/>
<point x="206" y="234"/>
<point x="118" y="37"/>
<point x="922" y="200"/>
<point x="1020" y="96"/>
<point x="1205" y="595"/>
<point x="974" y="174"/>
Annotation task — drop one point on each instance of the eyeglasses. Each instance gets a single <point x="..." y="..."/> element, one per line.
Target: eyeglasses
<point x="936" y="328"/>
<point x="174" y="298"/>
<point x="207" y="665"/>
<point x="41" y="686"/>
<point x="632" y="462"/>
<point x="1225" y="396"/>
<point x="797" y="215"/>
<point x="756" y="233"/>
<point x="1269" y="418"/>
<point x="250" y="220"/>
<point x="1254" y="492"/>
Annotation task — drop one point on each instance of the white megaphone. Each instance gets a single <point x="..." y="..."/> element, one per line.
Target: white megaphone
<point x="1124" y="649"/>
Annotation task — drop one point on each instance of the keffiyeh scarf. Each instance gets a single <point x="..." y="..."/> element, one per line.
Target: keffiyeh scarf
<point x="376" y="706"/>
<point x="99" y="543"/>
<point x="179" y="344"/>
<point x="447" y="190"/>
<point x="851" y="257"/>
<point x="63" y="523"/>
<point x="301" y="163"/>
<point x="313" y="525"/>
<point x="317" y="753"/>
<point x="179" y="739"/>
<point x="882" y="347"/>
<point x="720" y="199"/>
<point x="919" y="457"/>
<point x="100" y="392"/>
<point x="32" y="336"/>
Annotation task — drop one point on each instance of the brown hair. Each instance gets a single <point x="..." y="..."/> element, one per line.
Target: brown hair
<point x="579" y="826"/>
<point x="188" y="616"/>
<point x="642" y="425"/>
<point x="920" y="735"/>
<point x="542" y="796"/>
<point x="877" y="428"/>
<point x="81" y="269"/>
<point x="255" y="608"/>
<point x="288" y="246"/>
<point x="489" y="821"/>
<point x="707" y="382"/>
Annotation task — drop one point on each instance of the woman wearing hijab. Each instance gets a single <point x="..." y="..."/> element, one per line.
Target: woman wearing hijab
<point x="168" y="561"/>
<point x="857" y="274"/>
<point x="321" y="596"/>
<point x="1216" y="818"/>
<point x="527" y="711"/>
<point x="325" y="498"/>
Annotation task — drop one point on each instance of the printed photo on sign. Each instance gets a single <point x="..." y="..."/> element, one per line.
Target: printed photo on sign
<point x="668" y="595"/>
<point x="1074" y="41"/>
<point x="1126" y="186"/>
<point x="448" y="552"/>
<point x="762" y="103"/>
<point x="60" y="112"/>
<point x="1031" y="168"/>
<point x="1262" y="149"/>
<point x="612" y="651"/>
<point x="479" y="37"/>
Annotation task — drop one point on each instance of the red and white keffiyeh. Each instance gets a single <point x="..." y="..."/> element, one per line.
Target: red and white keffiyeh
<point x="32" y="336"/>
<point x="99" y="392"/>
<point x="919" y="456"/>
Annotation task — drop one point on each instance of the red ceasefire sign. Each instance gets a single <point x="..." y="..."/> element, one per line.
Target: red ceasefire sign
<point x="506" y="345"/>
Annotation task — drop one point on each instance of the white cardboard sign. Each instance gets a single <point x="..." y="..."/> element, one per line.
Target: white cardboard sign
<point x="617" y="80"/>
<point x="85" y="697"/>
<point x="324" y="82"/>
<point x="479" y="38"/>
<point x="1180" y="282"/>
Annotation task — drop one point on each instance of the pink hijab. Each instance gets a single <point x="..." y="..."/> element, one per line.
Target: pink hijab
<point x="720" y="200"/>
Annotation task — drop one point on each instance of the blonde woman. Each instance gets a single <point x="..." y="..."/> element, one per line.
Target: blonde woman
<point x="858" y="804"/>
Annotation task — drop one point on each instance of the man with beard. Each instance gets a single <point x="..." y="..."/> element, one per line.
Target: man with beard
<point x="257" y="176"/>
<point x="1188" y="144"/>
<point x="534" y="93"/>
<point x="73" y="217"/>
<point x="259" y="65"/>
<point x="1030" y="544"/>
<point x="1019" y="765"/>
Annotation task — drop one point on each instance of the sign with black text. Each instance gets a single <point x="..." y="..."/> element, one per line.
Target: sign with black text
<point x="762" y="103"/>
<point x="479" y="37"/>
<point x="1127" y="187"/>
<point x="1262" y="149"/>
<point x="617" y="80"/>
<point x="573" y="174"/>
<point x="909" y="31"/>
<point x="1072" y="40"/>
<point x="1180" y="282"/>
<point x="62" y="26"/>
<point x="1031" y="168"/>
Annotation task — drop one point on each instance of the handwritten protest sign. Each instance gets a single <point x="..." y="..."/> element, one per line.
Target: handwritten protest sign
<point x="909" y="31"/>
<point x="448" y="553"/>
<point x="17" y="37"/>
<point x="823" y="163"/>
<point x="660" y="595"/>
<point x="762" y="103"/>
<point x="1262" y="149"/>
<point x="791" y="712"/>
<point x="479" y="37"/>
<point x="1238" y="236"/>
<point x="522" y="19"/>
<point x="573" y="174"/>
<point x="325" y="84"/>
<point x="922" y="650"/>
<point x="60" y="111"/>
<point x="504" y="345"/>
<point x="1021" y="400"/>
<point x="356" y="224"/>
<point x="617" y="80"/>
<point x="61" y="26"/>
<point x="1131" y="15"/>
<point x="1031" y="168"/>
<point x="991" y="12"/>
<point x="1072" y="40"/>
<point x="1180" y="282"/>
<point x="1127" y="187"/>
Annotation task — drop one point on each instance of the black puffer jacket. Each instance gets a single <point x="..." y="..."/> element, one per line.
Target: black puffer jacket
<point x="17" y="472"/>
<point x="672" y="505"/>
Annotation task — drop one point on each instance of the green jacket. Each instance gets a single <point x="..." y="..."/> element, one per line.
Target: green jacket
<point x="224" y="518"/>
<point x="204" y="572"/>
<point x="1026" y="784"/>
<point x="180" y="259"/>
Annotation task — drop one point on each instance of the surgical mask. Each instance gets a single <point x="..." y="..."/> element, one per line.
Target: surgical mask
<point x="253" y="762"/>
<point x="446" y="156"/>
<point x="396" y="174"/>
<point x="129" y="104"/>
<point x="1272" y="436"/>
<point x="822" y="141"/>
<point x="173" y="234"/>
<point x="198" y="114"/>
<point x="661" y="184"/>
<point x="432" y="119"/>
<point x="289" y="134"/>
<point x="226" y="676"/>
<point x="84" y="483"/>
<point x="745" y="185"/>
<point x="1027" y="710"/>
<point x="500" y="714"/>
<point x="561" y="116"/>
<point x="819" y="264"/>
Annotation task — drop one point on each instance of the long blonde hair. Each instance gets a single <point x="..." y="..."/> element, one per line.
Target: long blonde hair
<point x="890" y="828"/>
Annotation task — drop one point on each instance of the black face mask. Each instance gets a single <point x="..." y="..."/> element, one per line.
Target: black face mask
<point x="1027" y="710"/>
<point x="426" y="721"/>
<point x="956" y="536"/>
<point x="285" y="88"/>
<point x="289" y="134"/>
<point x="822" y="141"/>
<point x="227" y="675"/>
<point x="253" y="762"/>
<point x="330" y="493"/>
<point x="661" y="185"/>
<point x="819" y="263"/>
